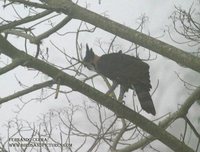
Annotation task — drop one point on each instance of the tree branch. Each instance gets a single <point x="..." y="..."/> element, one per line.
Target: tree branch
<point x="26" y="91"/>
<point x="15" y="63"/>
<point x="31" y="4"/>
<point x="52" y="30"/>
<point x="74" y="11"/>
<point x="24" y="20"/>
<point x="37" y="39"/>
<point x="171" y="52"/>
<point x="76" y="85"/>
<point x="166" y="122"/>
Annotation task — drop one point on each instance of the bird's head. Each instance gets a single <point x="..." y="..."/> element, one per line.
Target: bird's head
<point x="90" y="59"/>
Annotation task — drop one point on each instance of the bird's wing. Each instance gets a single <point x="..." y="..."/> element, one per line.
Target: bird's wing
<point x="124" y="69"/>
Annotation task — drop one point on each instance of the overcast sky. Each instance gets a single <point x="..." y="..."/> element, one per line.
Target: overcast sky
<point x="171" y="90"/>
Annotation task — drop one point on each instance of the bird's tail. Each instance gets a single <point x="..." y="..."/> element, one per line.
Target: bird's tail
<point x="145" y="101"/>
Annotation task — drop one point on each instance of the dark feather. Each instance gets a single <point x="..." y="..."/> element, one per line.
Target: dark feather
<point x="124" y="69"/>
<point x="128" y="71"/>
<point x="145" y="100"/>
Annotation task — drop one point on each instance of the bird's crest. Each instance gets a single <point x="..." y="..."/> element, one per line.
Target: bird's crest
<point x="88" y="59"/>
<point x="89" y="54"/>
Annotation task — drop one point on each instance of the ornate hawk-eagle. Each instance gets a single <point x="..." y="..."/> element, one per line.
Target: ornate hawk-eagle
<point x="125" y="70"/>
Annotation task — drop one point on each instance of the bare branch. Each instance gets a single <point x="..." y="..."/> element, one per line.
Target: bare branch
<point x="24" y="20"/>
<point x="181" y="113"/>
<point x="52" y="30"/>
<point x="26" y="91"/>
<point x="120" y="109"/>
<point x="74" y="11"/>
<point x="15" y="63"/>
<point x="37" y="39"/>
<point x="31" y="4"/>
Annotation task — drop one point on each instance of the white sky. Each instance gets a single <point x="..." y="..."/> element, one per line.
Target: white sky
<point x="171" y="90"/>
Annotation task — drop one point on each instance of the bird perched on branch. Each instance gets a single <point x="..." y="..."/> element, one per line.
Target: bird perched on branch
<point x="127" y="71"/>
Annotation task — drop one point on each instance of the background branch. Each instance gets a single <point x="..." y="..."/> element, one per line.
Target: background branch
<point x="26" y="91"/>
<point x="118" y="108"/>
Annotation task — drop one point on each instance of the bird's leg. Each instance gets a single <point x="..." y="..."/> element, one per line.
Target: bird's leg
<point x="121" y="94"/>
<point x="112" y="88"/>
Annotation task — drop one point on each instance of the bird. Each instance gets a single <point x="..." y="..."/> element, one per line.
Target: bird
<point x="127" y="71"/>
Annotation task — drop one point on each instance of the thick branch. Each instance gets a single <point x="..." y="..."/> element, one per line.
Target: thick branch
<point x="31" y="4"/>
<point x="120" y="109"/>
<point x="164" y="49"/>
<point x="20" y="33"/>
<point x="24" y="20"/>
<point x="52" y="30"/>
<point x="37" y="39"/>
<point x="166" y="122"/>
<point x="11" y="66"/>
<point x="26" y="91"/>
<point x="171" y="52"/>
